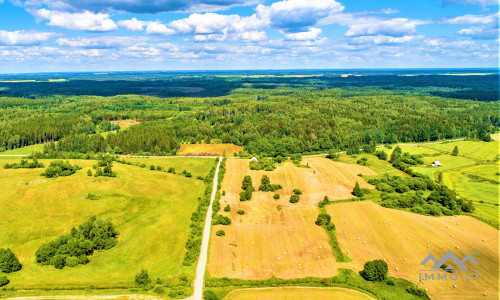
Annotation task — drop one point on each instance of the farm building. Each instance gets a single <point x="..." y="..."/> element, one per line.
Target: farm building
<point x="436" y="163"/>
<point x="254" y="159"/>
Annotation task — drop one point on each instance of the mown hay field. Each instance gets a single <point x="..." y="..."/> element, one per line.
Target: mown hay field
<point x="275" y="237"/>
<point x="150" y="209"/>
<point x="210" y="149"/>
<point x="368" y="231"/>
<point x="296" y="293"/>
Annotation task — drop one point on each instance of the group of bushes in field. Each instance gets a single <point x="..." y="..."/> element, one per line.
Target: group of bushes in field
<point x="60" y="168"/>
<point x="247" y="187"/>
<point x="266" y="164"/>
<point x="266" y="186"/>
<point x="8" y="264"/>
<point x="73" y="249"/>
<point x="177" y="286"/>
<point x="296" y="196"/>
<point x="398" y="192"/>
<point x="358" y="191"/>
<point x="103" y="167"/>
<point x="24" y="164"/>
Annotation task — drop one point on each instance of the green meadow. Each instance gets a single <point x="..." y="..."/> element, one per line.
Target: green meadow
<point x="150" y="209"/>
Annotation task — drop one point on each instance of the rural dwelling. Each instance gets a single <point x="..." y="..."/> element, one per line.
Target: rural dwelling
<point x="254" y="159"/>
<point x="436" y="163"/>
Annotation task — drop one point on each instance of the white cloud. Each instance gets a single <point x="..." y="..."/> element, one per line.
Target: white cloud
<point x="102" y="42"/>
<point x="312" y="34"/>
<point x="159" y="29"/>
<point x="204" y="23"/>
<point x="134" y="24"/>
<point x="139" y="6"/>
<point x="298" y="15"/>
<point x="480" y="33"/>
<point x="24" y="38"/>
<point x="86" y="21"/>
<point x="473" y="19"/>
<point x="397" y="27"/>
<point x="382" y="39"/>
<point x="471" y="2"/>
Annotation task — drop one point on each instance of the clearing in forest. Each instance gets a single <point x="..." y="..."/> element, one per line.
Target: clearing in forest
<point x="209" y="149"/>
<point x="125" y="123"/>
<point x="275" y="237"/>
<point x="369" y="231"/>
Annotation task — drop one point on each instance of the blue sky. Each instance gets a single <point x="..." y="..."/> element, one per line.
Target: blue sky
<point x="125" y="35"/>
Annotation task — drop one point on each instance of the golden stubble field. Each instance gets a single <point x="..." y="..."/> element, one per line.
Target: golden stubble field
<point x="405" y="239"/>
<point x="267" y="241"/>
<point x="209" y="149"/>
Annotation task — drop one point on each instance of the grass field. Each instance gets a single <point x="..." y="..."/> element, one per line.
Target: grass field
<point x="379" y="166"/>
<point x="369" y="231"/>
<point x="210" y="149"/>
<point x="24" y="150"/>
<point x="413" y="149"/>
<point x="476" y="150"/>
<point x="448" y="162"/>
<point x="296" y="293"/>
<point x="196" y="166"/>
<point x="125" y="123"/>
<point x="267" y="241"/>
<point x="150" y="209"/>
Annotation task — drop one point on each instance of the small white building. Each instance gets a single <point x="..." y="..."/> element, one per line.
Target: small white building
<point x="436" y="163"/>
<point x="254" y="159"/>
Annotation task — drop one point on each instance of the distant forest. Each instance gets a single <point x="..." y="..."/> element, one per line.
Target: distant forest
<point x="426" y="83"/>
<point x="271" y="122"/>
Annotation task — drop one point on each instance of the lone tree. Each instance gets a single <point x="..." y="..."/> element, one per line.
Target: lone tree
<point x="357" y="191"/>
<point x="142" y="279"/>
<point x="396" y="154"/>
<point x="247" y="188"/>
<point x="8" y="261"/>
<point x="375" y="270"/>
<point x="210" y="295"/>
<point x="455" y="151"/>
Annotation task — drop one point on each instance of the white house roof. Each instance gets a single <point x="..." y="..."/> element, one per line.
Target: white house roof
<point x="437" y="163"/>
<point x="254" y="159"/>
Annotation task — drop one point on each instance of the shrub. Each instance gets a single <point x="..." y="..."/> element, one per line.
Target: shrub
<point x="142" y="279"/>
<point x="8" y="261"/>
<point x="227" y="208"/>
<point x="221" y="220"/>
<point x="220" y="233"/>
<point x="323" y="219"/>
<point x="60" y="168"/>
<point x="375" y="270"/>
<point x="210" y="295"/>
<point x="294" y="198"/>
<point x="276" y="196"/>
<point x="358" y="191"/>
<point x="171" y="170"/>
<point x="381" y="155"/>
<point x="4" y="280"/>
<point x="152" y="167"/>
<point x="92" y="235"/>
<point x="297" y="192"/>
<point x="417" y="292"/>
<point x="266" y="186"/>
<point x="159" y="289"/>
<point x="241" y="212"/>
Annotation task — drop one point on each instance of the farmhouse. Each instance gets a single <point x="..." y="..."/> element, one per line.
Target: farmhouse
<point x="254" y="159"/>
<point x="436" y="163"/>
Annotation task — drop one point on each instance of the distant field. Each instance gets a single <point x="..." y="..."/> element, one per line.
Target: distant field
<point x="417" y="149"/>
<point x="448" y="162"/>
<point x="379" y="166"/>
<point x="286" y="243"/>
<point x="24" y="150"/>
<point x="150" y="209"/>
<point x="296" y="293"/>
<point x="196" y="166"/>
<point x="476" y="150"/>
<point x="209" y="149"/>
<point x="404" y="245"/>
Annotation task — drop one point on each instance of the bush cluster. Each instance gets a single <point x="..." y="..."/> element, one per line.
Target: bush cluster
<point x="24" y="164"/>
<point x="266" y="186"/>
<point x="74" y="248"/>
<point x="266" y="164"/>
<point x="9" y="262"/>
<point x="358" y="191"/>
<point x="60" y="168"/>
<point x="247" y="188"/>
<point x="375" y="270"/>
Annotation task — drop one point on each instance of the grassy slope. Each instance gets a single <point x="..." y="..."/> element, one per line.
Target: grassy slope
<point x="197" y="166"/>
<point x="24" y="150"/>
<point x="150" y="209"/>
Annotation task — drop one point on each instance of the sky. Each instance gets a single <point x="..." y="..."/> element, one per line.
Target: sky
<point x="136" y="35"/>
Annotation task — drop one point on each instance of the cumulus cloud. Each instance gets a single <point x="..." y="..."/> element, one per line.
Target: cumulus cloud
<point x="204" y="23"/>
<point x="473" y="19"/>
<point x="298" y="15"/>
<point x="397" y="27"/>
<point x="139" y="6"/>
<point x="480" y="33"/>
<point x="158" y="28"/>
<point x="471" y="2"/>
<point x="312" y="34"/>
<point x="86" y="21"/>
<point x="24" y="38"/>
<point x="134" y="24"/>
<point x="382" y="39"/>
<point x="101" y="42"/>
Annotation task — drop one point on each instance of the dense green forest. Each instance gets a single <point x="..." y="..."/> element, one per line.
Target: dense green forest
<point x="270" y="122"/>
